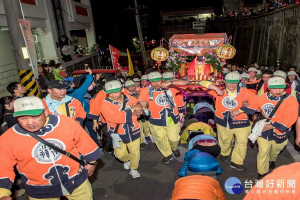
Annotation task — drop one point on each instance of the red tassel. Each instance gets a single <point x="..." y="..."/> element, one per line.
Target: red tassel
<point x="178" y="75"/>
<point x="191" y="70"/>
<point x="207" y="69"/>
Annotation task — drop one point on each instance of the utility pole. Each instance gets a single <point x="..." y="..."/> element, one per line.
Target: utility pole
<point x="138" y="24"/>
<point x="13" y="14"/>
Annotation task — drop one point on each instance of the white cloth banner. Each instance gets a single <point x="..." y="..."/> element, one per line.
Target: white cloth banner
<point x="25" y="26"/>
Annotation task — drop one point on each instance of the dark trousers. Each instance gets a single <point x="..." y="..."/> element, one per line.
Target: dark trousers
<point x="93" y="134"/>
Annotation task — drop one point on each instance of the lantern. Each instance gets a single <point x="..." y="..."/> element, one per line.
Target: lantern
<point x="159" y="54"/>
<point x="226" y="51"/>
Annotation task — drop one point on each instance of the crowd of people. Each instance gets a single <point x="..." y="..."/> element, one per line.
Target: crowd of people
<point x="121" y="115"/>
<point x="269" y="6"/>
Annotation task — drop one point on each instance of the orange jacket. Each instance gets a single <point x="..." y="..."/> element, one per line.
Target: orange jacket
<point x="197" y="187"/>
<point x="159" y="107"/>
<point x="75" y="110"/>
<point x="285" y="116"/>
<point x="95" y="106"/>
<point x="129" y="129"/>
<point x="281" y="183"/>
<point x="252" y="84"/>
<point x="225" y="104"/>
<point x="127" y="93"/>
<point x="180" y="102"/>
<point x="42" y="169"/>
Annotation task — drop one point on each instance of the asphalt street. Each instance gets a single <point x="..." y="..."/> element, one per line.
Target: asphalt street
<point x="112" y="182"/>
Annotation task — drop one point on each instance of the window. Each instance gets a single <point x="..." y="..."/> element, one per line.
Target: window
<point x="31" y="2"/>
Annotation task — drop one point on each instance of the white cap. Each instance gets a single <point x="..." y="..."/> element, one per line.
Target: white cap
<point x="233" y="77"/>
<point x="225" y="70"/>
<point x="280" y="73"/>
<point x="252" y="69"/>
<point x="136" y="80"/>
<point x="154" y="76"/>
<point x="245" y="75"/>
<point x="112" y="86"/>
<point x="129" y="83"/>
<point x="144" y="77"/>
<point x="259" y="72"/>
<point x="168" y="76"/>
<point x="292" y="73"/>
<point x="28" y="106"/>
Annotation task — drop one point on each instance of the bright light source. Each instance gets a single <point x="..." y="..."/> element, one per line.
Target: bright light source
<point x="205" y="15"/>
<point x="25" y="53"/>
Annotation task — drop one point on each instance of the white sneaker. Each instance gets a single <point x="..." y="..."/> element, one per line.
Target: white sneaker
<point x="134" y="173"/>
<point x="126" y="165"/>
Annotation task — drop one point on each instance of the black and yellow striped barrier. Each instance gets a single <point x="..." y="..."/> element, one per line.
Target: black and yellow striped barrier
<point x="30" y="83"/>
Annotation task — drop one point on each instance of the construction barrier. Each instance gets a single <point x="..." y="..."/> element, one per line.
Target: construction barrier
<point x="30" y="83"/>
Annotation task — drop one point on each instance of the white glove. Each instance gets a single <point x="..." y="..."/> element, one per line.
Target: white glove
<point x="116" y="140"/>
<point x="257" y="130"/>
<point x="146" y="111"/>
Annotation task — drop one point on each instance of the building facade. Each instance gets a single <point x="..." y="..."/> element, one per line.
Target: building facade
<point x="51" y="21"/>
<point x="184" y="21"/>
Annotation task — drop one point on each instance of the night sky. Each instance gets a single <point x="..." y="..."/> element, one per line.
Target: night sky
<point x="116" y="24"/>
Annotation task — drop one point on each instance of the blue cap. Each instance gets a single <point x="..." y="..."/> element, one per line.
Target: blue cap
<point x="68" y="80"/>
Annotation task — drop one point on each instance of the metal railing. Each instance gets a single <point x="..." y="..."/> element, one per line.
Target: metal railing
<point x="93" y="60"/>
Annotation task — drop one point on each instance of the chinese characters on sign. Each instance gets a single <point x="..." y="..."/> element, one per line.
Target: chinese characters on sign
<point x="115" y="54"/>
<point x="271" y="186"/>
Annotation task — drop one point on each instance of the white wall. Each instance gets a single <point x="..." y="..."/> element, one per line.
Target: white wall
<point x="90" y="36"/>
<point x="8" y="68"/>
<point x="48" y="37"/>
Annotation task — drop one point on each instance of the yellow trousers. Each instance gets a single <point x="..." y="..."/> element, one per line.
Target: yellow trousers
<point x="144" y="129"/>
<point x="84" y="191"/>
<point x="129" y="152"/>
<point x="225" y="137"/>
<point x="166" y="138"/>
<point x="267" y="152"/>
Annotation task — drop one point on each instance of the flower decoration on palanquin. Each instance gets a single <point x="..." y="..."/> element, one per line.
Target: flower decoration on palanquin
<point x="213" y="60"/>
<point x="175" y="60"/>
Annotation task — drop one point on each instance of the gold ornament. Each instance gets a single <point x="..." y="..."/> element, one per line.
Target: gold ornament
<point x="159" y="54"/>
<point x="226" y="51"/>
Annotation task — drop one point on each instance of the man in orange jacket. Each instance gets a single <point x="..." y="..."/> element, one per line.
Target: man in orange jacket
<point x="45" y="172"/>
<point x="95" y="113"/>
<point x="164" y="115"/>
<point x="131" y="90"/>
<point x="121" y="113"/>
<point x="231" y="117"/>
<point x="274" y="136"/>
<point x="145" y="125"/>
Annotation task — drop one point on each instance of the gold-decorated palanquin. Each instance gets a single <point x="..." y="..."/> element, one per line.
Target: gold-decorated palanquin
<point x="206" y="49"/>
